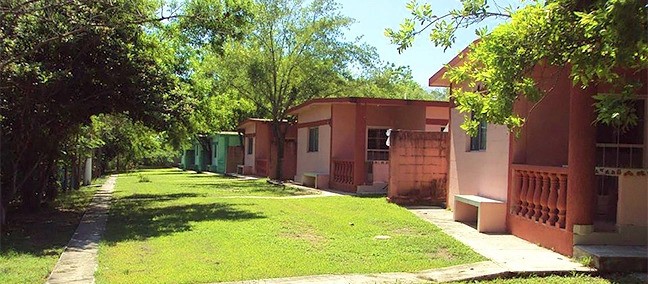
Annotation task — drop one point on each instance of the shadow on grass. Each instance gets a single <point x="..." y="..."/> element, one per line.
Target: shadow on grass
<point x="165" y="172"/>
<point x="371" y="196"/>
<point x="45" y="232"/>
<point x="245" y="186"/>
<point x="132" y="220"/>
<point x="146" y="198"/>
<point x="216" y="176"/>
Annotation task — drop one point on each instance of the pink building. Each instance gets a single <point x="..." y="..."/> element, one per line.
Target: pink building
<point x="260" y="149"/>
<point x="565" y="181"/>
<point x="341" y="142"/>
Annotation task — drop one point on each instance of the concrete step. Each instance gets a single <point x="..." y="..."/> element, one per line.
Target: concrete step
<point x="376" y="188"/>
<point x="614" y="258"/>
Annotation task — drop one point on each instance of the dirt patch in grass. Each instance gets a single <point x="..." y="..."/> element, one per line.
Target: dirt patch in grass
<point x="406" y="231"/>
<point x="308" y="235"/>
<point x="441" y="253"/>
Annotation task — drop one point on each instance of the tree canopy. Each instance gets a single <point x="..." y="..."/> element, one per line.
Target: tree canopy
<point x="394" y="82"/>
<point x="64" y="61"/>
<point x="596" y="41"/>
<point x="295" y="51"/>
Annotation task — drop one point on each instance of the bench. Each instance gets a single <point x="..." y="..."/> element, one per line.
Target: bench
<point x="243" y="170"/>
<point x="490" y="214"/>
<point x="316" y="180"/>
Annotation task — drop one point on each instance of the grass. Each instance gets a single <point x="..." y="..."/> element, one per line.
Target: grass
<point x="32" y="243"/>
<point x="197" y="228"/>
<point x="569" y="279"/>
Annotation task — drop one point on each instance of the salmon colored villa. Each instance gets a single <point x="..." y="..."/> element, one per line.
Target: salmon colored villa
<point x="341" y="141"/>
<point x="260" y="149"/>
<point x="565" y="181"/>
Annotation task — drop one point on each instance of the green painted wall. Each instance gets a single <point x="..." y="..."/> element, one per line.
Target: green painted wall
<point x="201" y="158"/>
<point x="188" y="159"/>
<point x="220" y="143"/>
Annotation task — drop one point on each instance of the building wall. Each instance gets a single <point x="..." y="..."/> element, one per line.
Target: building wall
<point x="397" y="117"/>
<point x="418" y="167"/>
<point x="221" y="144"/>
<point x="410" y="118"/>
<point x="343" y="132"/>
<point x="262" y="140"/>
<point x="633" y="196"/>
<point x="234" y="158"/>
<point x="319" y="161"/>
<point x="544" y="139"/>
<point x="483" y="173"/>
<point x="250" y="129"/>
<point x="436" y="113"/>
<point x="201" y="157"/>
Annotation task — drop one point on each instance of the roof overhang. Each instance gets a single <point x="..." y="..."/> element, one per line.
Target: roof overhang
<point x="438" y="80"/>
<point x="367" y="101"/>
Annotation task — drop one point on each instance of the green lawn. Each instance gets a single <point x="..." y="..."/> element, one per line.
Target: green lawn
<point x="197" y="228"/>
<point x="573" y="279"/>
<point x="32" y="243"/>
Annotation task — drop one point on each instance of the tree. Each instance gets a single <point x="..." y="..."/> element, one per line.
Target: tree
<point x="65" y="61"/>
<point x="596" y="40"/>
<point x="295" y="52"/>
<point x="390" y="81"/>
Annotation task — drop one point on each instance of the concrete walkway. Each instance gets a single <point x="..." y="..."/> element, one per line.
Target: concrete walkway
<point x="507" y="251"/>
<point x="78" y="262"/>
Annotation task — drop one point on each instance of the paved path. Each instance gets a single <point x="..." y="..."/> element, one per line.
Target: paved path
<point x="510" y="252"/>
<point x="78" y="262"/>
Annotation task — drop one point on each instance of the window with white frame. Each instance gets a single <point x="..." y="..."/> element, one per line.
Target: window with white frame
<point x="377" y="149"/>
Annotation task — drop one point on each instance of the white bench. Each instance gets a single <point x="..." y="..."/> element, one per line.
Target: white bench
<point x="316" y="180"/>
<point x="490" y="214"/>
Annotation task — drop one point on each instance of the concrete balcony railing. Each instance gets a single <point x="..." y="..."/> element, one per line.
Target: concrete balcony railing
<point x="540" y="194"/>
<point x="343" y="172"/>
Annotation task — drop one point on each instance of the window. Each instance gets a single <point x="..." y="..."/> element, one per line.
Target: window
<point x="250" y="144"/>
<point x="377" y="149"/>
<point x="216" y="150"/>
<point x="478" y="142"/>
<point x="313" y="139"/>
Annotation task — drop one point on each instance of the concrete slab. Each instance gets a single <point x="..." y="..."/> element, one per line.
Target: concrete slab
<point x="510" y="252"/>
<point x="341" y="279"/>
<point x="614" y="258"/>
<point x="78" y="262"/>
<point x="473" y="271"/>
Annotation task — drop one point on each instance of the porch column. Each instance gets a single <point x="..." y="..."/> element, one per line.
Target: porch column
<point x="581" y="181"/>
<point x="360" y="141"/>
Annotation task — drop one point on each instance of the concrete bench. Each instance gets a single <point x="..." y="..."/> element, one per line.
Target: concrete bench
<point x="316" y="180"/>
<point x="244" y="170"/>
<point x="490" y="214"/>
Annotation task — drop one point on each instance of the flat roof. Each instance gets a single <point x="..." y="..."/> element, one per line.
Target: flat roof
<point x="264" y="120"/>
<point x="369" y="101"/>
<point x="227" y="133"/>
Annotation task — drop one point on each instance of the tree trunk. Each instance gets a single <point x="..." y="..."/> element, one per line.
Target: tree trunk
<point x="280" y="136"/>
<point x="74" y="183"/>
<point x="30" y="193"/>
<point x="51" y="188"/>
<point x="64" y="182"/>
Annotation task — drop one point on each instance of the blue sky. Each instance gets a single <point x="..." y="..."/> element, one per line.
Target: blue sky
<point x="373" y="16"/>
